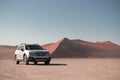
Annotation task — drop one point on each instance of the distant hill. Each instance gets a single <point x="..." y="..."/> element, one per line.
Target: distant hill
<point x="7" y="52"/>
<point x="66" y="48"/>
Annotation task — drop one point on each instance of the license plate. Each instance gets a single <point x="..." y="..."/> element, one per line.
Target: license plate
<point x="40" y="59"/>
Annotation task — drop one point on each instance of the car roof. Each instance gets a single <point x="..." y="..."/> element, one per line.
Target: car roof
<point x="28" y="44"/>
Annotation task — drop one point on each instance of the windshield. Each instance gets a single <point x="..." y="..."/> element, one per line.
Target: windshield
<point x="33" y="47"/>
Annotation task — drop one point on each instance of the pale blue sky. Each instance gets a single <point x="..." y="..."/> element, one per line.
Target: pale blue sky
<point x="44" y="21"/>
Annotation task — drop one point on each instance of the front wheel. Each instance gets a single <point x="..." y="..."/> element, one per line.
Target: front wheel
<point x="16" y="60"/>
<point x="47" y="62"/>
<point x="26" y="60"/>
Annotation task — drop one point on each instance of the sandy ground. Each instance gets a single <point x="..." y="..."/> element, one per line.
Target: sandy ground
<point x="62" y="69"/>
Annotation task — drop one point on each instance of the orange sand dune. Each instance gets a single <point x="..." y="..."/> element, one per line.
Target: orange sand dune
<point x="52" y="46"/>
<point x="80" y="48"/>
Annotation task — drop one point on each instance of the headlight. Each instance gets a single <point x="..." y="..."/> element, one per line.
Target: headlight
<point x="48" y="54"/>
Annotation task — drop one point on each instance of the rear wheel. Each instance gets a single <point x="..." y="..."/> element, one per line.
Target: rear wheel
<point x="16" y="60"/>
<point x="47" y="62"/>
<point x="26" y="60"/>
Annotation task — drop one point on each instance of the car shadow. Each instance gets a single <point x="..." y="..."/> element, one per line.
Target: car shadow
<point x="52" y="64"/>
<point x="42" y="64"/>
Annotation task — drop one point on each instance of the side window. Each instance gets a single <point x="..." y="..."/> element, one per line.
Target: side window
<point x="22" y="47"/>
<point x="19" y="47"/>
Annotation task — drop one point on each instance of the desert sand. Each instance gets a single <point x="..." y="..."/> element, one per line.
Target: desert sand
<point x="62" y="69"/>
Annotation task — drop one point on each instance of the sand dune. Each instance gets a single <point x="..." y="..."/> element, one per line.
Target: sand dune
<point x="79" y="48"/>
<point x="52" y="46"/>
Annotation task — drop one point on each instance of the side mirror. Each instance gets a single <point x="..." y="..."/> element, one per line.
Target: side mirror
<point x="22" y="49"/>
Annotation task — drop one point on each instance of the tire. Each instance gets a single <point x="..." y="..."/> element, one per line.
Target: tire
<point x="35" y="62"/>
<point x="16" y="60"/>
<point x="26" y="60"/>
<point x="47" y="62"/>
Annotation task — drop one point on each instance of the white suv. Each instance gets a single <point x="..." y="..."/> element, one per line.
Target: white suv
<point x="31" y="53"/>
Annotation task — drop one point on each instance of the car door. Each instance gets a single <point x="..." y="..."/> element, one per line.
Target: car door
<point x="21" y="52"/>
<point x="18" y="52"/>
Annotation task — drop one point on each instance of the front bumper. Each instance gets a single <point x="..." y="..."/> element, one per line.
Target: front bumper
<point x="39" y="59"/>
